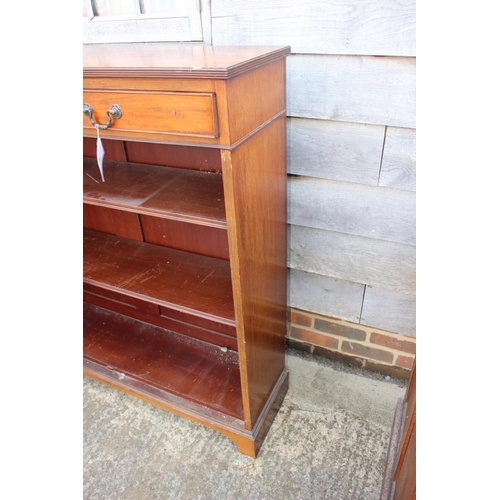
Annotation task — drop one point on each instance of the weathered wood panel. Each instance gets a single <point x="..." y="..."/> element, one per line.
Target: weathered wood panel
<point x="340" y="151"/>
<point x="381" y="264"/>
<point x="389" y="310"/>
<point x="374" y="27"/>
<point x="359" y="89"/>
<point x="399" y="159"/>
<point x="374" y="212"/>
<point x="325" y="295"/>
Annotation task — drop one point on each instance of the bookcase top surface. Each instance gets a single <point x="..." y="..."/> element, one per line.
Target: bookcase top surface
<point x="169" y="60"/>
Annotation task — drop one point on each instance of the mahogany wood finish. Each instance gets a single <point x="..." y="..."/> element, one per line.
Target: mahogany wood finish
<point x="185" y="241"/>
<point x="255" y="191"/>
<point x="400" y="477"/>
<point x="174" y="362"/>
<point x="158" y="113"/>
<point x="185" y="281"/>
<point x="181" y="194"/>
<point x="115" y="150"/>
<point x="208" y="330"/>
<point x="169" y="155"/>
<point x="195" y="238"/>
<point x="112" y="221"/>
<point x="181" y="61"/>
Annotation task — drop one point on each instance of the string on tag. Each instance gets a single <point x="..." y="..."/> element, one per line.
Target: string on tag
<point x="100" y="153"/>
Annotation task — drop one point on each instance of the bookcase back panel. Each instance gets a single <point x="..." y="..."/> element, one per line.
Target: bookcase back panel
<point x="204" y="240"/>
<point x="214" y="332"/>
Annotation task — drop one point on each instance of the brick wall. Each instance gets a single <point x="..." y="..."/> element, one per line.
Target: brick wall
<point x="358" y="345"/>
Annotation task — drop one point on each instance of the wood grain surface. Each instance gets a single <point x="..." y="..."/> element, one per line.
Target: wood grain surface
<point x="163" y="359"/>
<point x="184" y="281"/>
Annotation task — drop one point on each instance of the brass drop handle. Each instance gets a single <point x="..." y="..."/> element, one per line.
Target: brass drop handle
<point x="113" y="112"/>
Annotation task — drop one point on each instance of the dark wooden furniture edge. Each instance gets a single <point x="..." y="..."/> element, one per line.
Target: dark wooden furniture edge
<point x="247" y="442"/>
<point x="390" y="464"/>
<point x="399" y="481"/>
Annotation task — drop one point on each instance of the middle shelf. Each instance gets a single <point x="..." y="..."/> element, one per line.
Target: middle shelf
<point x="179" y="280"/>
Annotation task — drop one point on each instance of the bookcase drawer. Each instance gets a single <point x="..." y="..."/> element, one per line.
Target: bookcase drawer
<point x="154" y="114"/>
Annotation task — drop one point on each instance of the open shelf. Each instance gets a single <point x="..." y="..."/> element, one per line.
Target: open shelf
<point x="160" y="364"/>
<point x="183" y="281"/>
<point x="174" y="193"/>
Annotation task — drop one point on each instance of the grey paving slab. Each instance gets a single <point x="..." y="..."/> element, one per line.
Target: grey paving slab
<point x="328" y="441"/>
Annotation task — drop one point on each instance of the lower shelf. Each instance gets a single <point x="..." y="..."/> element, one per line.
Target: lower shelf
<point x="162" y="362"/>
<point x="183" y="375"/>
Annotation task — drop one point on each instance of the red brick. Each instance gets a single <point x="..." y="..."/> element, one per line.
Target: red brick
<point x="339" y="330"/>
<point x="314" y="337"/>
<point x="392" y="343"/>
<point x="404" y="361"/>
<point x="367" y="352"/>
<point x="300" y="319"/>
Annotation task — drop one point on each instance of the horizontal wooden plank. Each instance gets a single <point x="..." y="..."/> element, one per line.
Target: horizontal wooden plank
<point x="159" y="358"/>
<point x="335" y="150"/>
<point x="382" y="264"/>
<point x="359" y="89"/>
<point x="399" y="161"/>
<point x="374" y="212"/>
<point x="389" y="310"/>
<point x="378" y="27"/>
<point x="181" y="194"/>
<point x="193" y="284"/>
<point x="325" y="295"/>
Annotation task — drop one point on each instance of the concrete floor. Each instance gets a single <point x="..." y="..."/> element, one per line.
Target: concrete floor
<point x="328" y="441"/>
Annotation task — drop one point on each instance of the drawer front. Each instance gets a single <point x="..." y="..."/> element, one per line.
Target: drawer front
<point x="154" y="114"/>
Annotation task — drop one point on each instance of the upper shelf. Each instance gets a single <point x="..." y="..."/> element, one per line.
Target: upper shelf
<point x="179" y="194"/>
<point x="175" y="60"/>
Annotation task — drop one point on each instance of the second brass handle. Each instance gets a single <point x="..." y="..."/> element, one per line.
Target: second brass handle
<point x="113" y="112"/>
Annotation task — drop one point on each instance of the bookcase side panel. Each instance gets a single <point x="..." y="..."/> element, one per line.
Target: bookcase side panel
<point x="254" y="176"/>
<point x="255" y="97"/>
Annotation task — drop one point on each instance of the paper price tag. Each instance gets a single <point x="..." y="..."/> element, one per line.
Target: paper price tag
<point x="100" y="154"/>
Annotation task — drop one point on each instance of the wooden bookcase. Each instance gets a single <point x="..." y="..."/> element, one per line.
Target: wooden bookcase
<point x="185" y="241"/>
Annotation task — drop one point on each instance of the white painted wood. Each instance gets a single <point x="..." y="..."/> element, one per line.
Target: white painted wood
<point x="399" y="159"/>
<point x="335" y="150"/>
<point x="373" y="27"/>
<point x="194" y="14"/>
<point x="381" y="264"/>
<point x="358" y="89"/>
<point x="389" y="310"/>
<point x="88" y="9"/>
<point x="206" y="21"/>
<point x="374" y="212"/>
<point x="181" y="24"/>
<point x="134" y="30"/>
<point x="325" y="295"/>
